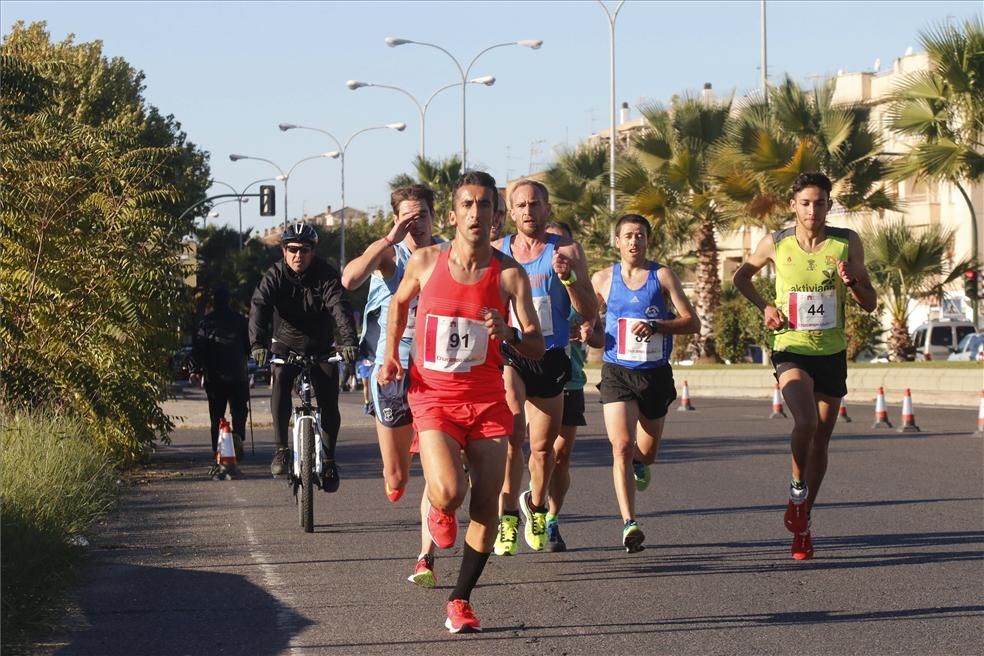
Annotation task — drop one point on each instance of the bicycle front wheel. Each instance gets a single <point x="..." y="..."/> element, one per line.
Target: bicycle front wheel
<point x="306" y="506"/>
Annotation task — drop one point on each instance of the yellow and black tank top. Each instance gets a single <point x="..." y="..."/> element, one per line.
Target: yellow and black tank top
<point x="810" y="293"/>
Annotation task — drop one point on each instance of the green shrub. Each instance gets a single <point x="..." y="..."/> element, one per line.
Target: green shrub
<point x="54" y="482"/>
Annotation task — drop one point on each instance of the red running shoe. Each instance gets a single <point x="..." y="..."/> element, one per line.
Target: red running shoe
<point x="443" y="528"/>
<point x="797" y="519"/>
<point x="461" y="617"/>
<point x="394" y="495"/>
<point x="802" y="546"/>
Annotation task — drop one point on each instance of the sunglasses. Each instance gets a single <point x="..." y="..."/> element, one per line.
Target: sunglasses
<point x="298" y="249"/>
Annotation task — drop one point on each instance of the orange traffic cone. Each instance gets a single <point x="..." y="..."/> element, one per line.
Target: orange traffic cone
<point x="908" y="418"/>
<point x="685" y="400"/>
<point x="225" y="456"/>
<point x="980" y="416"/>
<point x="881" y="412"/>
<point x="777" y="410"/>
<point x="842" y="413"/>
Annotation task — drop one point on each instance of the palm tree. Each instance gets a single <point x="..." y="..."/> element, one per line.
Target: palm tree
<point x="769" y="144"/>
<point x="666" y="177"/>
<point x="578" y="184"/>
<point x="943" y="110"/>
<point x="906" y="265"/>
<point x="440" y="176"/>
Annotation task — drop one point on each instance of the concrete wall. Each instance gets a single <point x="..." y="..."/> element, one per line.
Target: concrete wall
<point x="929" y="386"/>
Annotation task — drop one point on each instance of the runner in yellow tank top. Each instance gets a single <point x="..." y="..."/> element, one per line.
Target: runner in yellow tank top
<point x="817" y="268"/>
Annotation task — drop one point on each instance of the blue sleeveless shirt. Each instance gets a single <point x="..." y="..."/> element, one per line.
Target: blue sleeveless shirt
<point x="548" y="292"/>
<point x="626" y="307"/>
<point x="376" y="314"/>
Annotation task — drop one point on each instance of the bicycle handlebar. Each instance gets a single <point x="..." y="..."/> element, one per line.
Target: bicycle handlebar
<point x="304" y="360"/>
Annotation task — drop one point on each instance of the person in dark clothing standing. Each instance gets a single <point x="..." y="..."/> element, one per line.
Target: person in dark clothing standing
<point x="301" y="306"/>
<point x="220" y="350"/>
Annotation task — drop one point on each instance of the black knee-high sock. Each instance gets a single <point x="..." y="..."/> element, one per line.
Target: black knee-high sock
<point x="472" y="565"/>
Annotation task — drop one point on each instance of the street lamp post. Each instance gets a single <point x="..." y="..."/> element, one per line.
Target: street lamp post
<point x="533" y="44"/>
<point x="611" y="137"/>
<point x="487" y="80"/>
<point x="340" y="155"/>
<point x="241" y="194"/>
<point x="284" y="177"/>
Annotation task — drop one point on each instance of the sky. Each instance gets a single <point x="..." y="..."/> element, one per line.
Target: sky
<point x="231" y="72"/>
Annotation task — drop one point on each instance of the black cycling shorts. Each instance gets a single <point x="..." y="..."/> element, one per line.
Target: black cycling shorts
<point x="544" y="378"/>
<point x="829" y="372"/>
<point x="652" y="389"/>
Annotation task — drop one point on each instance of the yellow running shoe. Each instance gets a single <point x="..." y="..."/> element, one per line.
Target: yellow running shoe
<point x="507" y="537"/>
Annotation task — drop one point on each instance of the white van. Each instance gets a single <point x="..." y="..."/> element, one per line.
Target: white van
<point x="937" y="339"/>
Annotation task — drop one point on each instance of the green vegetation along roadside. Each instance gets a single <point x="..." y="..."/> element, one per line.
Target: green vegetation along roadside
<point x="55" y="481"/>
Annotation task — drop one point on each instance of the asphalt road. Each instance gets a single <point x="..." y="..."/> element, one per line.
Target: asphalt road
<point x="187" y="565"/>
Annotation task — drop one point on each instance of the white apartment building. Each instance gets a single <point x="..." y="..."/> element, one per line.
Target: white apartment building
<point x="920" y="204"/>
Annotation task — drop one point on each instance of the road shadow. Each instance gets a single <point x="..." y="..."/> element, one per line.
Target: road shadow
<point x="186" y="612"/>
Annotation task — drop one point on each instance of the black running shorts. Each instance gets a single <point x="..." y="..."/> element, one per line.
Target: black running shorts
<point x="829" y="372"/>
<point x="652" y="389"/>
<point x="574" y="408"/>
<point x="544" y="378"/>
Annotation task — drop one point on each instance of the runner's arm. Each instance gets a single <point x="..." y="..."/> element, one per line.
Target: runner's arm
<point x="582" y="295"/>
<point x="686" y="321"/>
<point x="396" y="322"/>
<point x="854" y="274"/>
<point x="517" y="285"/>
<point x="379" y="255"/>
<point x="764" y="253"/>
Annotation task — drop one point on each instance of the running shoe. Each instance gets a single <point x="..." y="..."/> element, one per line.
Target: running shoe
<point x="423" y="572"/>
<point x="632" y="536"/>
<point x="797" y="518"/>
<point x="394" y="495"/>
<point x="506" y="541"/>
<point x="329" y="477"/>
<point x="367" y="408"/>
<point x="443" y="528"/>
<point x="802" y="546"/>
<point x="536" y="523"/>
<point x="461" y="617"/>
<point x="641" y="474"/>
<point x="281" y="459"/>
<point x="555" y="543"/>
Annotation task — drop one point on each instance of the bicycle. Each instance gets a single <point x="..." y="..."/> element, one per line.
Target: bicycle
<point x="307" y="463"/>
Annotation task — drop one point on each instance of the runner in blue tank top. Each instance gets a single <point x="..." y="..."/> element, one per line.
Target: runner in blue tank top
<point x="636" y="378"/>
<point x="558" y="274"/>
<point x="383" y="263"/>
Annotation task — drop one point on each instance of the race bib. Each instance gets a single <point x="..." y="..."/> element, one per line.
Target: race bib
<point x="544" y="313"/>
<point x="633" y="348"/>
<point x="411" y="328"/>
<point x="454" y="344"/>
<point x="812" y="310"/>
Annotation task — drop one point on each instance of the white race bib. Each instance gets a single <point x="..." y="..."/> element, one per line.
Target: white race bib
<point x="633" y="348"/>
<point x="544" y="312"/>
<point x="812" y="310"/>
<point x="454" y="344"/>
<point x="411" y="328"/>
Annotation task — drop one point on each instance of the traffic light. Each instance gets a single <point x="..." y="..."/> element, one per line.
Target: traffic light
<point x="268" y="200"/>
<point x="971" y="277"/>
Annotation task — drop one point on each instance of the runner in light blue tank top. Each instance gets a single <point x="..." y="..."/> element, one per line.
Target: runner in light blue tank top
<point x="547" y="290"/>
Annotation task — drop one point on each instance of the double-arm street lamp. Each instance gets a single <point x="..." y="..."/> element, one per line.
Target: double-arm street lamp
<point x="487" y="80"/>
<point x="533" y="44"/>
<point x="340" y="154"/>
<point x="285" y="177"/>
<point x="241" y="195"/>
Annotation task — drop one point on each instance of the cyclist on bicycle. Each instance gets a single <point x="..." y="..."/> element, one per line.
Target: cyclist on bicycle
<point x="301" y="298"/>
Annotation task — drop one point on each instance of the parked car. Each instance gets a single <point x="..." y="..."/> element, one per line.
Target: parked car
<point x="970" y="348"/>
<point x="937" y="339"/>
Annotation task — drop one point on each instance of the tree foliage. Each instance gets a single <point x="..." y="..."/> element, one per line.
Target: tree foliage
<point x="440" y="176"/>
<point x="94" y="180"/>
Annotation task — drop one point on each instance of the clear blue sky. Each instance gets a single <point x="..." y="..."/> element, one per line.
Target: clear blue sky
<point x="231" y="71"/>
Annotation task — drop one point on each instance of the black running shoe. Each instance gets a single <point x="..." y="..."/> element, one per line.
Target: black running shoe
<point x="329" y="477"/>
<point x="281" y="459"/>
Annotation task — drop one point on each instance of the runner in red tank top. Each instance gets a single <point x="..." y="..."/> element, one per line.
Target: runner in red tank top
<point x="456" y="392"/>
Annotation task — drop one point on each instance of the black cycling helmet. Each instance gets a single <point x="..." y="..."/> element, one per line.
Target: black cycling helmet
<point x="299" y="232"/>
